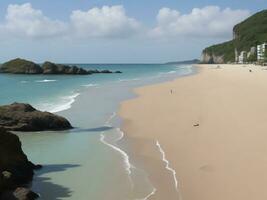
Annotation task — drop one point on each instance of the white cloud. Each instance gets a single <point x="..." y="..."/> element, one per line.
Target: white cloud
<point x="23" y="20"/>
<point x="210" y="21"/>
<point x="103" y="22"/>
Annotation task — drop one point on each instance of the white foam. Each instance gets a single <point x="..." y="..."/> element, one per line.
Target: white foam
<point x="90" y="85"/>
<point x="126" y="160"/>
<point x="127" y="164"/>
<point x="168" y="165"/>
<point x="171" y="72"/>
<point x="128" y="80"/>
<point x="63" y="104"/>
<point x="45" y="81"/>
<point x="149" y="195"/>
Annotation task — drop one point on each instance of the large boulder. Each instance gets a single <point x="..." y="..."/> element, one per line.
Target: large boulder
<point x="23" y="117"/>
<point x="16" y="171"/>
<point x="21" y="66"/>
<point x="50" y="68"/>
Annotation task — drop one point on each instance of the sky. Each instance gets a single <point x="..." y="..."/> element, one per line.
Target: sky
<point x="117" y="31"/>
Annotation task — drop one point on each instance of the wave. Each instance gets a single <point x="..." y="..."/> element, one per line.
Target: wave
<point x="24" y="81"/>
<point x="171" y="72"/>
<point x="90" y="85"/>
<point x="45" y="81"/>
<point x="63" y="104"/>
<point x="168" y="165"/>
<point x="128" y="80"/>
<point x="150" y="195"/>
<point x="126" y="160"/>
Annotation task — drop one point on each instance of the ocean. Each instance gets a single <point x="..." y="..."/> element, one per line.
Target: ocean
<point x="91" y="161"/>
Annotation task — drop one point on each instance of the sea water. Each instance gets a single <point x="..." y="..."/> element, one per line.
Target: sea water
<point x="90" y="161"/>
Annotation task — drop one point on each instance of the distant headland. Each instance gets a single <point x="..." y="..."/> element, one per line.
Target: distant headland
<point x="22" y="66"/>
<point x="247" y="46"/>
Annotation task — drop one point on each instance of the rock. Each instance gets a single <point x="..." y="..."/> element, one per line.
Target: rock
<point x="118" y="72"/>
<point x="20" y="193"/>
<point x="6" y="174"/>
<point x="21" y="66"/>
<point x="208" y="58"/>
<point x="50" y="68"/>
<point x="23" y="117"/>
<point x="25" y="194"/>
<point x="106" y="72"/>
<point x="16" y="171"/>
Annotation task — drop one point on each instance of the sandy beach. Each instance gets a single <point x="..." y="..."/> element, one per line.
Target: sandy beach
<point x="206" y="131"/>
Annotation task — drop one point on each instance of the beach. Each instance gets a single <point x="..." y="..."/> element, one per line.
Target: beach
<point x="202" y="137"/>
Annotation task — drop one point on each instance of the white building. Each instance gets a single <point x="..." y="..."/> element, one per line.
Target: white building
<point x="261" y="51"/>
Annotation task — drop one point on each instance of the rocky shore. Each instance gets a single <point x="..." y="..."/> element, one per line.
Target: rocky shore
<point x="16" y="171"/>
<point x="22" y="66"/>
<point x="23" y="117"/>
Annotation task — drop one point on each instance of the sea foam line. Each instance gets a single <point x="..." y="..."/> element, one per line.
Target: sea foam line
<point x="149" y="195"/>
<point x="127" y="163"/>
<point x="126" y="160"/>
<point x="45" y="81"/>
<point x="168" y="165"/>
<point x="60" y="106"/>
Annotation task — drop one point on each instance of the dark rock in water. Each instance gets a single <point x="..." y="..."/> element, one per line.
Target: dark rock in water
<point x="50" y="68"/>
<point x="118" y="72"/>
<point x="20" y="193"/>
<point x="16" y="171"/>
<point x="23" y="117"/>
<point x="106" y="72"/>
<point x="21" y="66"/>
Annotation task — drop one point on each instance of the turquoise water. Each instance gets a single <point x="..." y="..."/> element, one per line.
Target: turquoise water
<point x="56" y="92"/>
<point x="90" y="161"/>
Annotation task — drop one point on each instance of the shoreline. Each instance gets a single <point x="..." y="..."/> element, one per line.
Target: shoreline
<point x="205" y="131"/>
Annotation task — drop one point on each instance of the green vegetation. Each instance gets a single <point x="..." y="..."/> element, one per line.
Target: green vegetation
<point x="249" y="33"/>
<point x="20" y="66"/>
<point x="252" y="58"/>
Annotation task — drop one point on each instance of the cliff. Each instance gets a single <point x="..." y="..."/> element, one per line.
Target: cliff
<point x="246" y="34"/>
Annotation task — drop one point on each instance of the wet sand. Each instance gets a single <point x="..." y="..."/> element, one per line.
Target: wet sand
<point x="208" y="131"/>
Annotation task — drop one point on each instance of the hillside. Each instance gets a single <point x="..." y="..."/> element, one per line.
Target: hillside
<point x="249" y="33"/>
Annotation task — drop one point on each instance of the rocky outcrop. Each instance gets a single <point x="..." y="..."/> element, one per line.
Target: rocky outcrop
<point x="21" y="66"/>
<point x="16" y="171"/>
<point x="52" y="68"/>
<point x="212" y="58"/>
<point x="23" y="117"/>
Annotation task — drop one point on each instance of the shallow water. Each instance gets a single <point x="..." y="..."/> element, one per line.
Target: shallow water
<point x="91" y="161"/>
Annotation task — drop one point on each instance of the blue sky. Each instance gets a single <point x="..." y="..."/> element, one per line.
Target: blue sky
<point x="117" y="31"/>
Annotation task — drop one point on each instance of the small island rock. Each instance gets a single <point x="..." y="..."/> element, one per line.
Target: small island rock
<point x="20" y="66"/>
<point x="23" y="117"/>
